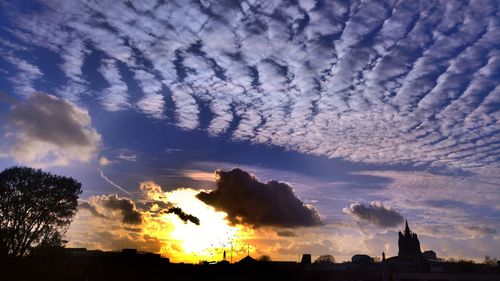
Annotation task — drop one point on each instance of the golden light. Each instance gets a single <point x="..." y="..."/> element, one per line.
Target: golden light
<point x="199" y="175"/>
<point x="165" y="233"/>
<point x="200" y="242"/>
<point x="186" y="241"/>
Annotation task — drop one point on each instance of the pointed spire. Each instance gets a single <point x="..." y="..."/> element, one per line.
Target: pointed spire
<point x="407" y="229"/>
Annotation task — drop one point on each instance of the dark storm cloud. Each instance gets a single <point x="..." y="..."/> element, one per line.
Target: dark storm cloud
<point x="248" y="201"/>
<point x="375" y="213"/>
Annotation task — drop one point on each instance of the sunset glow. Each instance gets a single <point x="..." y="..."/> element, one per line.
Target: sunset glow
<point x="186" y="241"/>
<point x="206" y="241"/>
<point x="263" y="128"/>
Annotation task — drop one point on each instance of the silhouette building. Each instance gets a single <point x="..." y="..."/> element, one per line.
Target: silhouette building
<point x="306" y="259"/>
<point x="409" y="246"/>
<point x="361" y="259"/>
<point x="429" y="255"/>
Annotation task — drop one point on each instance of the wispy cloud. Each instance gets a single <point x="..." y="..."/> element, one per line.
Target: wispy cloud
<point x="126" y="154"/>
<point x="26" y="75"/>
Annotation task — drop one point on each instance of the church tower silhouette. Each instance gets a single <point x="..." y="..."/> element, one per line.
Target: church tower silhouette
<point x="409" y="245"/>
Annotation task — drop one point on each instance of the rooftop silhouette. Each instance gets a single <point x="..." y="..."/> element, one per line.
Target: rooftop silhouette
<point x="57" y="263"/>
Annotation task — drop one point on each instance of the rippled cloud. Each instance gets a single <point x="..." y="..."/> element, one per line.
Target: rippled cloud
<point x="377" y="82"/>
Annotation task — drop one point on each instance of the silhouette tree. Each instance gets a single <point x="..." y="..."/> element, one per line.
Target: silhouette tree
<point x="325" y="259"/>
<point x="35" y="209"/>
<point x="264" y="258"/>
<point x="490" y="261"/>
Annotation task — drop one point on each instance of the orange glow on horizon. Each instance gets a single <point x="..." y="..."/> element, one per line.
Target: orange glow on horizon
<point x="186" y="241"/>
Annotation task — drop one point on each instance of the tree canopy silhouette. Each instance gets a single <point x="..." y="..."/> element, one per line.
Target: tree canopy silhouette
<point x="325" y="259"/>
<point x="264" y="258"/>
<point x="35" y="209"/>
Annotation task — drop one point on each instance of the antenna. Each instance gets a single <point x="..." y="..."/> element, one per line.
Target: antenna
<point x="248" y="249"/>
<point x="231" y="251"/>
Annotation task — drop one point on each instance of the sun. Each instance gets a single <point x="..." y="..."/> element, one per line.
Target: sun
<point x="206" y="241"/>
<point x="183" y="241"/>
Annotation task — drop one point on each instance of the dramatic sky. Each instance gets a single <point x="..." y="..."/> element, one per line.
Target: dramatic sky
<point x="282" y="127"/>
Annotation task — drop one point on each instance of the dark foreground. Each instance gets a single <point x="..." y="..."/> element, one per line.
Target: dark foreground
<point x="122" y="266"/>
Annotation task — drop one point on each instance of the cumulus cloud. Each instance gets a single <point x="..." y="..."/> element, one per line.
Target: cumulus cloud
<point x="248" y="201"/>
<point x="110" y="222"/>
<point x="152" y="190"/>
<point x="50" y="131"/>
<point x="92" y="208"/>
<point x="125" y="206"/>
<point x="107" y="206"/>
<point x="132" y="211"/>
<point x="375" y="213"/>
<point x="104" y="161"/>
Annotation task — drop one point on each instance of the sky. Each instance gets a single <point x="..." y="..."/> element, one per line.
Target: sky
<point x="266" y="127"/>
